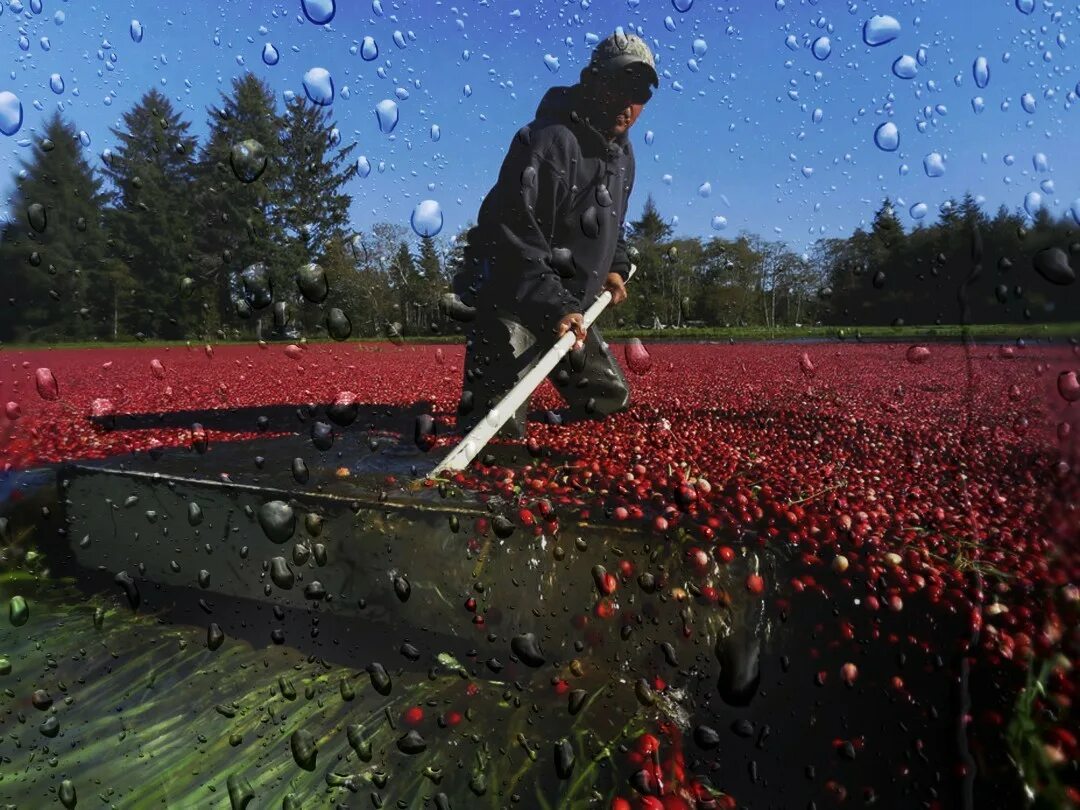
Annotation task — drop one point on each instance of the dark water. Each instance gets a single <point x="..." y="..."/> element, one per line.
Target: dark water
<point x="363" y="573"/>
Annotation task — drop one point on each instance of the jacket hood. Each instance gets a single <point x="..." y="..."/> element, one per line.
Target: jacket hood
<point x="559" y="105"/>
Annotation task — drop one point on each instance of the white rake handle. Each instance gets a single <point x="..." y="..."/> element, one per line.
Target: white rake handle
<point x="469" y="447"/>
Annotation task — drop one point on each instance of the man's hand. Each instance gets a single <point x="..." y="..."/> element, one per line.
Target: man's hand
<point x="574" y="322"/>
<point x="615" y="284"/>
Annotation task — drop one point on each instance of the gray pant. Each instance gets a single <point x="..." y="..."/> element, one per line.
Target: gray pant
<point x="498" y="351"/>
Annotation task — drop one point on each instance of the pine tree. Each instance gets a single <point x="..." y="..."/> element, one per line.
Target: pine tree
<point x="409" y="286"/>
<point x="238" y="188"/>
<point x="433" y="283"/>
<point x="886" y="231"/>
<point x="650" y="296"/>
<point x="347" y="289"/>
<point x="151" y="224"/>
<point x="651" y="227"/>
<point x="313" y="207"/>
<point x="52" y="255"/>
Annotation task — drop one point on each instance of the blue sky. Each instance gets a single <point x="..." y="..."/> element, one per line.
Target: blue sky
<point x="743" y="122"/>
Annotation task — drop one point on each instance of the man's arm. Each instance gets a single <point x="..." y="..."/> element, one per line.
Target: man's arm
<point x="621" y="263"/>
<point x="532" y="194"/>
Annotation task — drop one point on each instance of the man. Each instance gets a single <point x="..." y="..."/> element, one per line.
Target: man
<point x="549" y="239"/>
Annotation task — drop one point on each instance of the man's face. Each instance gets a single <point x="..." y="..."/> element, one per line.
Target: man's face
<point x="622" y="101"/>
<point x="626" y="117"/>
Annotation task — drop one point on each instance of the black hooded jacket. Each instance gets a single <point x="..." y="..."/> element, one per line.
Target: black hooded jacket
<point x="551" y="228"/>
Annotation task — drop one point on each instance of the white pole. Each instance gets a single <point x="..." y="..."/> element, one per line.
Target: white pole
<point x="479" y="436"/>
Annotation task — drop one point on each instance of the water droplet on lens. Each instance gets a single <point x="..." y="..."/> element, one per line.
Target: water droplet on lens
<point x="527" y="650"/>
<point x="270" y="54"/>
<point x="1027" y="101"/>
<point x="934" y="165"/>
<point x="136" y="31"/>
<point x="131" y="589"/>
<point x="880" y="29"/>
<point x="706" y="737"/>
<point x="411" y="743"/>
<point x="319" y="86"/>
<point x="682" y="6"/>
<point x="11" y="113"/>
<point x="248" y="160"/>
<point x="304" y="750"/>
<point x="427" y="218"/>
<point x="278" y="521"/>
<point x="319" y="12"/>
<point x="1032" y="203"/>
<point x="18" y="611"/>
<point x="1053" y="265"/>
<point x="311" y="281"/>
<point x="918" y="210"/>
<point x="1025" y="6"/>
<point x="322" y="436"/>
<point x="56" y="83"/>
<point x="47" y="387"/>
<point x="36" y="216"/>
<point x="380" y="680"/>
<point x="887" y="137"/>
<point x="68" y="797"/>
<point x="917" y="355"/>
<point x="981" y="71"/>
<point x="338" y="325"/>
<point x="719" y="223"/>
<point x="590" y="222"/>
<point x="386" y="111"/>
<point x="821" y="48"/>
<point x="1068" y="386"/>
<point x="637" y="356"/>
<point x="215" y="636"/>
<point x="905" y="67"/>
<point x="280" y="573"/>
<point x="241" y="793"/>
<point x="369" y="50"/>
<point x="564" y="759"/>
<point x="257" y="288"/>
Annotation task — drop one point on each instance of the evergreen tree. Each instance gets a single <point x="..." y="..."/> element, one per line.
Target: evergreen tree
<point x="52" y="254"/>
<point x="649" y="296"/>
<point x="151" y="224"/>
<point x="314" y="208"/>
<point x="651" y="227"/>
<point x="408" y="283"/>
<point x="239" y="187"/>
<point x="433" y="283"/>
<point x="347" y="289"/>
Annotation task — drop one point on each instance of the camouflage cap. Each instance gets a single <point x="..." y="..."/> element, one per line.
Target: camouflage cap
<point x="620" y="51"/>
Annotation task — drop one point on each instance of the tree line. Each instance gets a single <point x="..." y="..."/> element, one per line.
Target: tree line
<point x="243" y="236"/>
<point x="247" y="235"/>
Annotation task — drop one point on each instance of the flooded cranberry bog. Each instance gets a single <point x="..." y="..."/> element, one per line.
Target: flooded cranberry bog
<point x="835" y="574"/>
